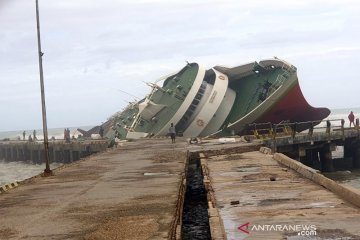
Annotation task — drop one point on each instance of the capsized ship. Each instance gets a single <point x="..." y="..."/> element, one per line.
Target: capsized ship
<point x="217" y="102"/>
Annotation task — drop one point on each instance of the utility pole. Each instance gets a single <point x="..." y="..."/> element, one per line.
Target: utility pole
<point x="47" y="171"/>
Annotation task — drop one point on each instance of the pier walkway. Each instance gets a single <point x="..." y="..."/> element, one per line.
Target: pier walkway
<point x="254" y="190"/>
<point x="137" y="191"/>
<point x="127" y="193"/>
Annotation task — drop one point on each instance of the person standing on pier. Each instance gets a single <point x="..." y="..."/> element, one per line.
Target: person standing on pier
<point x="172" y="133"/>
<point x="24" y="133"/>
<point x="351" y="118"/>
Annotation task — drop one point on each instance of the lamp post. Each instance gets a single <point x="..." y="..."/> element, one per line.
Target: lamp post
<point x="47" y="170"/>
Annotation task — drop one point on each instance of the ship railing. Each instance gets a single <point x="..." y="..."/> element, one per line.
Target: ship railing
<point x="138" y="122"/>
<point x="289" y="68"/>
<point x="286" y="74"/>
<point x="280" y="79"/>
<point x="262" y="130"/>
<point x="287" y="128"/>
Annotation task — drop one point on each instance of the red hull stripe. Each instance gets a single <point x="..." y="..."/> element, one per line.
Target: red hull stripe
<point x="295" y="108"/>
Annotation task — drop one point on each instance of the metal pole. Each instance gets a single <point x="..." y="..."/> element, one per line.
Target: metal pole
<point x="47" y="170"/>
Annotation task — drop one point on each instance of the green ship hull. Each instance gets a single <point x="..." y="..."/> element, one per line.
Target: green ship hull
<point x="216" y="102"/>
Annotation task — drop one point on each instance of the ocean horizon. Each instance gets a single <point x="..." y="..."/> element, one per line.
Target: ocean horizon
<point x="57" y="133"/>
<point x="17" y="171"/>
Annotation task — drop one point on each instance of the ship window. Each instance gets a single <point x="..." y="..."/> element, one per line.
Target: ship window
<point x="182" y="124"/>
<point x="187" y="116"/>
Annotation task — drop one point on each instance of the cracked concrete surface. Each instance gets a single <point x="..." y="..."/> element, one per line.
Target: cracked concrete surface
<point x="126" y="193"/>
<point x="287" y="199"/>
<point x="131" y="193"/>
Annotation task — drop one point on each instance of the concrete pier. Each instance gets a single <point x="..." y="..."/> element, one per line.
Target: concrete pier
<point x="315" y="150"/>
<point x="130" y="192"/>
<point x="257" y="198"/>
<point x="59" y="151"/>
<point x="137" y="191"/>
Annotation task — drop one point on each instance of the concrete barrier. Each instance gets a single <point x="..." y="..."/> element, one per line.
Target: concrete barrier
<point x="8" y="186"/>
<point x="293" y="164"/>
<point x="217" y="229"/>
<point x="2" y="189"/>
<point x="350" y="194"/>
<point x="266" y="150"/>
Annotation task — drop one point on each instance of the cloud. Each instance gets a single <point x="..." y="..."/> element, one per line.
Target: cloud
<point x="94" y="46"/>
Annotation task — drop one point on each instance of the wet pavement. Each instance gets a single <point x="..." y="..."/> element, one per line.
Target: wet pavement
<point x="133" y="192"/>
<point x="259" y="199"/>
<point x="126" y="193"/>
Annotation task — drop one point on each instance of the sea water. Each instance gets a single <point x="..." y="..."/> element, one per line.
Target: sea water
<point x="57" y="133"/>
<point x="18" y="171"/>
<point x="352" y="176"/>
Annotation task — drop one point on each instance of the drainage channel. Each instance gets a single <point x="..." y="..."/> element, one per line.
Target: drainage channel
<point x="195" y="220"/>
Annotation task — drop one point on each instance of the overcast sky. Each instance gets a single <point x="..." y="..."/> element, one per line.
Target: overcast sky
<point x="95" y="50"/>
